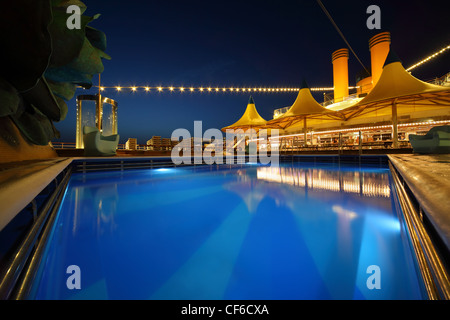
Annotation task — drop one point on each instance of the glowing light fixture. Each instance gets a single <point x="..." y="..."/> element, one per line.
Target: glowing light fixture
<point x="210" y="89"/>
<point x="434" y="55"/>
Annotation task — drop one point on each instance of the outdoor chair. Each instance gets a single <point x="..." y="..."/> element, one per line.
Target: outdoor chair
<point x="437" y="140"/>
<point x="95" y="144"/>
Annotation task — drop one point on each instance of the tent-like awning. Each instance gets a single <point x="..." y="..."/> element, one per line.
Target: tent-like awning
<point x="398" y="86"/>
<point x="305" y="106"/>
<point x="401" y="92"/>
<point x="249" y="120"/>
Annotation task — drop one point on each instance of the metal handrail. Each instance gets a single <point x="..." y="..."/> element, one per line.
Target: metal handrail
<point x="10" y="277"/>
<point x="433" y="272"/>
<point x="24" y="285"/>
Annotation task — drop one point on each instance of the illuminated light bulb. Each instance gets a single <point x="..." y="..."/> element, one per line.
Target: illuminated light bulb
<point x="192" y="89"/>
<point x="181" y="89"/>
<point x="237" y="89"/>
<point x="101" y="88"/>
<point x="224" y="89"/>
<point x="160" y="89"/>
<point x="171" y="88"/>
<point x="217" y="89"/>
<point x="428" y="58"/>
<point x="209" y="89"/>
<point x="133" y="88"/>
<point x="231" y="89"/>
<point x="147" y="89"/>
<point x="118" y="88"/>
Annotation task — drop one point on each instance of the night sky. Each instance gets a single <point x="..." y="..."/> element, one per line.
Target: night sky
<point x="242" y="44"/>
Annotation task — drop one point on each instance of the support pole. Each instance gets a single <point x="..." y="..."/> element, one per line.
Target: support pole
<point x="360" y="142"/>
<point x="99" y="107"/>
<point x="99" y="113"/>
<point x="304" y="131"/>
<point x="394" y="125"/>
<point x="79" y="138"/>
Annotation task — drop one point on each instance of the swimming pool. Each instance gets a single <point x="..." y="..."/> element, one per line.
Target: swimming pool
<point x="300" y="231"/>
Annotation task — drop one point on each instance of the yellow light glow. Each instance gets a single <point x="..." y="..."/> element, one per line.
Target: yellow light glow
<point x="434" y="55"/>
<point x="217" y="89"/>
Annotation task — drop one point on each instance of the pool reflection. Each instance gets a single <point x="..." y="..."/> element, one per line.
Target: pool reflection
<point x="365" y="183"/>
<point x="241" y="233"/>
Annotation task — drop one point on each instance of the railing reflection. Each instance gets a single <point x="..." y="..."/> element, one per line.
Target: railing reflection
<point x="370" y="184"/>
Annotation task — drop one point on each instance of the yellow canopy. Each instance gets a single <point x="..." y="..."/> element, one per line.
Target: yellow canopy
<point x="304" y="106"/>
<point x="250" y="119"/>
<point x="399" y="86"/>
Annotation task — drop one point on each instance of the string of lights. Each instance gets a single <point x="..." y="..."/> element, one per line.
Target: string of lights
<point x="216" y="89"/>
<point x="208" y="89"/>
<point x="434" y="55"/>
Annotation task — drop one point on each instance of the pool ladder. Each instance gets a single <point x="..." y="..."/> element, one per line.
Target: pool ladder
<point x="434" y="274"/>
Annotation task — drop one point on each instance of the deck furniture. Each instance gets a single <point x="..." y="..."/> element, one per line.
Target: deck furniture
<point x="96" y="144"/>
<point x="436" y="140"/>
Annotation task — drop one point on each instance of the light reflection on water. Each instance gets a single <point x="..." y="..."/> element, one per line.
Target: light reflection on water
<point x="365" y="183"/>
<point x="240" y="233"/>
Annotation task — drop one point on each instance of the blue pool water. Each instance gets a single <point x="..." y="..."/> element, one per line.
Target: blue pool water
<point x="251" y="232"/>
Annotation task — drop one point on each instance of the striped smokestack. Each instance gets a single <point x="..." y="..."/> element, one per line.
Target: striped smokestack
<point x="379" y="46"/>
<point x="339" y="58"/>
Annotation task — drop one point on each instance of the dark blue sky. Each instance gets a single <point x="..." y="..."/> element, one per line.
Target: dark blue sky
<point x="242" y="43"/>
